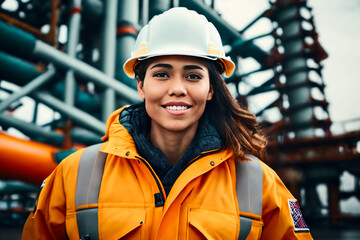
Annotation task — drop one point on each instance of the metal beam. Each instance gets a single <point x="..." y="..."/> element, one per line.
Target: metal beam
<point x="44" y="51"/>
<point x="33" y="131"/>
<point x="228" y="33"/>
<point x="81" y="117"/>
<point x="28" y="88"/>
<point x="25" y="44"/>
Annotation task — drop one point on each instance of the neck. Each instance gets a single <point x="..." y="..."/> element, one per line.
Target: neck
<point x="172" y="144"/>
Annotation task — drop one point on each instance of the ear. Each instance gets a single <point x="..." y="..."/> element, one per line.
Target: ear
<point x="140" y="89"/>
<point x="211" y="93"/>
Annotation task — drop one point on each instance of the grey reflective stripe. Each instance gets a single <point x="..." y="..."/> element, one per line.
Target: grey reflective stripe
<point x="249" y="189"/>
<point x="245" y="226"/>
<point x="91" y="168"/>
<point x="87" y="221"/>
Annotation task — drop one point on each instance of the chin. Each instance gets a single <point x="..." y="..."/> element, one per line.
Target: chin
<point x="177" y="127"/>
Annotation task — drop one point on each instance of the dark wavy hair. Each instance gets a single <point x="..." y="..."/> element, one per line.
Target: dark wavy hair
<point x="237" y="127"/>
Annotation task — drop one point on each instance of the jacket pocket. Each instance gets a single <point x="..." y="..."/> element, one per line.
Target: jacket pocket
<point x="121" y="223"/>
<point x="206" y="224"/>
<point x="250" y="229"/>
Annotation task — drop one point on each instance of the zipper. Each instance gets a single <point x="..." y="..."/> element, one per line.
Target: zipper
<point x="160" y="196"/>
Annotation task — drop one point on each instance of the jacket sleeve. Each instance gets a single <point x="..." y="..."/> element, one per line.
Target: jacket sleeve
<point x="47" y="221"/>
<point x="281" y="213"/>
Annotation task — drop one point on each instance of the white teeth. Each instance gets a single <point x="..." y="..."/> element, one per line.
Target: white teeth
<point x="177" y="108"/>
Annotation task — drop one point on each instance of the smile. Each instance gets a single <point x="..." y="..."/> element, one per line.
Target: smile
<point x="177" y="108"/>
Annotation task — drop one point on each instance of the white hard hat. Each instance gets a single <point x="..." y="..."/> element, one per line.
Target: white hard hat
<point x="179" y="31"/>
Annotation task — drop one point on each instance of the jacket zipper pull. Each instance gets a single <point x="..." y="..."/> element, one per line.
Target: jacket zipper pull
<point x="159" y="200"/>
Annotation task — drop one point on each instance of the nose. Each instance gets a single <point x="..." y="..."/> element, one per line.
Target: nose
<point x="177" y="87"/>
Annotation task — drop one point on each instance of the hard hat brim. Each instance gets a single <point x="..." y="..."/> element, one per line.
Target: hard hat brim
<point x="130" y="63"/>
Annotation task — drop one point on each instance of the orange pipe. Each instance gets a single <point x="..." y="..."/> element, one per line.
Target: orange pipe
<point x="25" y="160"/>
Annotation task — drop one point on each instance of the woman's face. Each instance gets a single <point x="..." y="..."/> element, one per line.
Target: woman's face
<point x="175" y="90"/>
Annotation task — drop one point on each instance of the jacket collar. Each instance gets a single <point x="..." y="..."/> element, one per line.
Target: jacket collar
<point x="127" y="136"/>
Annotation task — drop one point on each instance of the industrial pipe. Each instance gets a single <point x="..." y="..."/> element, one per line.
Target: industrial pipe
<point x="81" y="117"/>
<point x="25" y="160"/>
<point x="73" y="39"/>
<point x="108" y="56"/>
<point x="28" y="88"/>
<point x="29" y="45"/>
<point x="128" y="17"/>
<point x="228" y="34"/>
<point x="31" y="130"/>
<point x="16" y="70"/>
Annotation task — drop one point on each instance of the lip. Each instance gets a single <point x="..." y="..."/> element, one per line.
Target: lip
<point x="176" y="103"/>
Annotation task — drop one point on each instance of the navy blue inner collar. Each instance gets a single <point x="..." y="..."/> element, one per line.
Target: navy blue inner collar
<point x="135" y="119"/>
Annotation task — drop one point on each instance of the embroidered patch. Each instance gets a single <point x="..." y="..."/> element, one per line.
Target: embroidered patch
<point x="296" y="216"/>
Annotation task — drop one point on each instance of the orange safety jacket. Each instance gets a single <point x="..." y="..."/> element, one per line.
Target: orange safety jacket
<point x="131" y="204"/>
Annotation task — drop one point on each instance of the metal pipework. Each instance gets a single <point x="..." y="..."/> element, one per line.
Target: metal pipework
<point x="10" y="187"/>
<point x="44" y="51"/>
<point x="300" y="95"/>
<point x="28" y="45"/>
<point x="128" y="17"/>
<point x="93" y="8"/>
<point x="228" y="34"/>
<point x="73" y="39"/>
<point x="108" y="59"/>
<point x="28" y="88"/>
<point x="16" y="70"/>
<point x="158" y="7"/>
<point x="81" y="117"/>
<point x="145" y="12"/>
<point x="33" y="131"/>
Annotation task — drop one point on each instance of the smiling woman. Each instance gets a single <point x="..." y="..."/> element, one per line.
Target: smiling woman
<point x="184" y="164"/>
<point x="175" y="90"/>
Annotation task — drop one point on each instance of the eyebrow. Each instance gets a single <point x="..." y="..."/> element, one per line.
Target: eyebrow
<point x="162" y="65"/>
<point x="186" y="67"/>
<point x="189" y="67"/>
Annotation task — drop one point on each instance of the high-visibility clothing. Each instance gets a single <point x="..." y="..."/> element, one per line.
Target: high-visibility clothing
<point x="202" y="204"/>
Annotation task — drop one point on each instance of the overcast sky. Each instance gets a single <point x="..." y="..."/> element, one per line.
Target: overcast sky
<point x="338" y="25"/>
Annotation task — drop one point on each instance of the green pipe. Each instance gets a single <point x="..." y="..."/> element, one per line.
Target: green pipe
<point x="9" y="187"/>
<point x="35" y="132"/>
<point x="31" y="47"/>
<point x="16" y="70"/>
<point x="83" y="100"/>
<point x="16" y="40"/>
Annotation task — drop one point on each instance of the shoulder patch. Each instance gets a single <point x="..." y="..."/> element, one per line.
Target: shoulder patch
<point x="296" y="216"/>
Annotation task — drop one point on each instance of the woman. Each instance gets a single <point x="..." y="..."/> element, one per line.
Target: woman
<point x="170" y="164"/>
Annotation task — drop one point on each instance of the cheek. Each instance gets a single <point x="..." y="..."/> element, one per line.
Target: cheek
<point x="151" y="90"/>
<point x="153" y="94"/>
<point x="202" y="94"/>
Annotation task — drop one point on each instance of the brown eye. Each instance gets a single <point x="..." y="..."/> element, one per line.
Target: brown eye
<point x="161" y="75"/>
<point x="194" y="77"/>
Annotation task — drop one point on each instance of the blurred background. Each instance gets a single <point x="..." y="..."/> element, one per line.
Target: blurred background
<point x="298" y="70"/>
